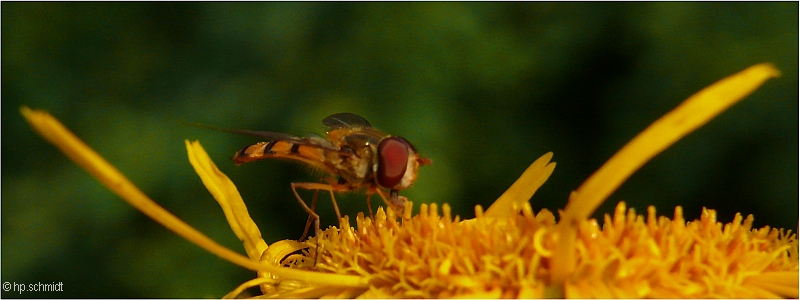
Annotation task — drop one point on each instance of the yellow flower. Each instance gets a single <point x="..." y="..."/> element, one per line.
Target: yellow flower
<point x="508" y="250"/>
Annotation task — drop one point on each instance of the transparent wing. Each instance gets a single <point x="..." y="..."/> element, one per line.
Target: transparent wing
<point x="312" y="140"/>
<point x="321" y="142"/>
<point x="345" y="120"/>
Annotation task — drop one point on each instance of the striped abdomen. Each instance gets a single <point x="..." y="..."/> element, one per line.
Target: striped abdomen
<point x="286" y="150"/>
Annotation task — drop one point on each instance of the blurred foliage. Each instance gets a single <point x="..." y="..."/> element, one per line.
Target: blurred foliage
<point x="483" y="89"/>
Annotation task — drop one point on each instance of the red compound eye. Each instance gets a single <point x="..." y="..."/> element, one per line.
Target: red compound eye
<point x="393" y="155"/>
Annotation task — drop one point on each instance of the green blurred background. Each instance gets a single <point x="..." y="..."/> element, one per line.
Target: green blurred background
<point x="483" y="89"/>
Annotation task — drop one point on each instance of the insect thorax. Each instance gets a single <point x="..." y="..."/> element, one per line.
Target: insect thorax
<point x="356" y="159"/>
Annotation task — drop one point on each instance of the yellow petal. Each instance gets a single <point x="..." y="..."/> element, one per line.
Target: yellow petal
<point x="248" y="284"/>
<point x="688" y="116"/>
<point x="57" y="134"/>
<point x="226" y="194"/>
<point x="784" y="284"/>
<point x="54" y="132"/>
<point x="522" y="190"/>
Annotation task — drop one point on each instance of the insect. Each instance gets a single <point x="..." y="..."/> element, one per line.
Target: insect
<point x="355" y="154"/>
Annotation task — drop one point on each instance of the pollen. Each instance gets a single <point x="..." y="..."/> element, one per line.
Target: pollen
<point x="436" y="255"/>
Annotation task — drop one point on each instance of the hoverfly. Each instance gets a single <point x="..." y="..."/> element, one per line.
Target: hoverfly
<point x="354" y="153"/>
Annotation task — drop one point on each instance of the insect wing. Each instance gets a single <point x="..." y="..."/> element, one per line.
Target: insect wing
<point x="313" y="139"/>
<point x="345" y="120"/>
<point x="269" y="135"/>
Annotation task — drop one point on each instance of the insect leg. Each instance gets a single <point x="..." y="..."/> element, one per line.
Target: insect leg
<point x="310" y="218"/>
<point x="397" y="203"/>
<point x="369" y="206"/>
<point x="318" y="186"/>
<point x="311" y="213"/>
<point x="328" y="187"/>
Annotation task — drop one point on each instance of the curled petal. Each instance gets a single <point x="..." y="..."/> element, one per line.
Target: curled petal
<point x="226" y="194"/>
